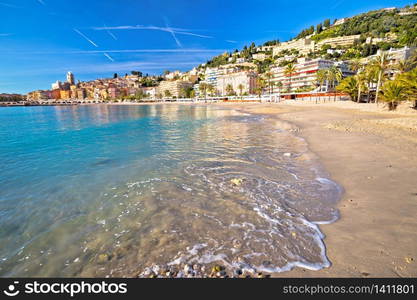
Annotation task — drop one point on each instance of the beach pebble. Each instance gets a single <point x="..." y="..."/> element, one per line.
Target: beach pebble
<point x="287" y="154"/>
<point x="147" y="272"/>
<point x="237" y="244"/>
<point x="180" y="274"/>
<point x="236" y="181"/>
<point x="102" y="258"/>
<point x="216" y="269"/>
<point x="409" y="260"/>
<point x="188" y="269"/>
<point x="221" y="274"/>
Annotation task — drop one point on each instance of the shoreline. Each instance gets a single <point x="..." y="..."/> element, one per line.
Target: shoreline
<point x="376" y="165"/>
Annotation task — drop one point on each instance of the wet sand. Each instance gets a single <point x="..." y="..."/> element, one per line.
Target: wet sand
<point x="373" y="156"/>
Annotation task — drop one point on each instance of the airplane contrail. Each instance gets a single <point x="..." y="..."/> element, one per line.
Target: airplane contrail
<point x="85" y="37"/>
<point x="110" y="33"/>
<point x="108" y="56"/>
<point x="8" y="5"/>
<point x="170" y="30"/>
<point x="165" y="29"/>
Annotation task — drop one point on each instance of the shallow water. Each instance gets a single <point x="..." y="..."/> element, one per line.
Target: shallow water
<point x="110" y="190"/>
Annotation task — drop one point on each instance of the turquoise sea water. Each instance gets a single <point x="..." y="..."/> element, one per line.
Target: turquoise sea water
<point x="110" y="190"/>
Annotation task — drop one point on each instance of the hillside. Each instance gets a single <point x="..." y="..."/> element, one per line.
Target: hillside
<point x="381" y="29"/>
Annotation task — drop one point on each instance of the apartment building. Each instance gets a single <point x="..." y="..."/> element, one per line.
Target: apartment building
<point x="38" y="95"/>
<point x="174" y="88"/>
<point x="259" y="56"/>
<point x="304" y="46"/>
<point x="65" y="94"/>
<point x="339" y="41"/>
<point x="305" y="76"/>
<point x="340" y="21"/>
<point x="211" y="75"/>
<point x="246" y="79"/>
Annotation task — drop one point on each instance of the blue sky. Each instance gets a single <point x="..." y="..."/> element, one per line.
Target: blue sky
<point x="40" y="40"/>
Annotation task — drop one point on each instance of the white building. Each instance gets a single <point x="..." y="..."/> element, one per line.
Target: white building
<point x="244" y="79"/>
<point x="259" y="56"/>
<point x="212" y="74"/>
<point x="70" y="78"/>
<point x="150" y="92"/>
<point x="305" y="75"/>
<point x="304" y="46"/>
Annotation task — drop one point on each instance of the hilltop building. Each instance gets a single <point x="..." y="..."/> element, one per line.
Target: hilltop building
<point x="304" y="46"/>
<point x="338" y="41"/>
<point x="70" y="78"/>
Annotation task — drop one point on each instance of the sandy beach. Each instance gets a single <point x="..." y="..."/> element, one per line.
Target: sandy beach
<point x="372" y="155"/>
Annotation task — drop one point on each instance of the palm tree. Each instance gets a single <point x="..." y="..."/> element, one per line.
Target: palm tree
<point x="409" y="81"/>
<point x="413" y="59"/>
<point x="349" y="85"/>
<point x="167" y="94"/>
<point x="361" y="79"/>
<point x="211" y="89"/>
<point x="269" y="75"/>
<point x="260" y="85"/>
<point x="381" y="64"/>
<point x="241" y="87"/>
<point x="370" y="75"/>
<point x="355" y="65"/>
<point x="321" y="79"/>
<point x="403" y="66"/>
<point x="289" y="72"/>
<point x="335" y="76"/>
<point x="205" y="87"/>
<point x="229" y="90"/>
<point x="393" y="92"/>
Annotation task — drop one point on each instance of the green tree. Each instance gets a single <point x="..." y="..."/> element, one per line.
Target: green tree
<point x="167" y="94"/>
<point x="229" y="90"/>
<point x="370" y="77"/>
<point x="289" y="71"/>
<point x="393" y="92"/>
<point x="403" y="66"/>
<point x="204" y="88"/>
<point x="334" y="77"/>
<point x="211" y="89"/>
<point x="349" y="85"/>
<point x="241" y="88"/>
<point x="362" y="84"/>
<point x="380" y="63"/>
<point x="279" y="85"/>
<point x="322" y="77"/>
<point x="409" y="81"/>
<point x="260" y="85"/>
<point x="269" y="76"/>
<point x="319" y="28"/>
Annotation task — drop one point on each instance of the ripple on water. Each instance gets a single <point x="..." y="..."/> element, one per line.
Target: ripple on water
<point x="240" y="190"/>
